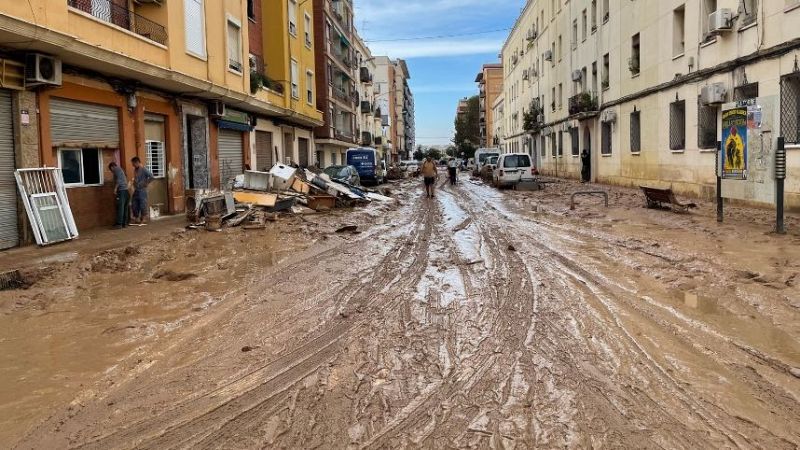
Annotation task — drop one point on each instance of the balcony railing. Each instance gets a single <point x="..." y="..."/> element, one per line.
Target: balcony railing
<point x="342" y="95"/>
<point x="343" y="135"/>
<point x="259" y="78"/>
<point x="583" y="102"/>
<point x="122" y="17"/>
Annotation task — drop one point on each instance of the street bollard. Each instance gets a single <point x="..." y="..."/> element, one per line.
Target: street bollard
<point x="718" y="171"/>
<point x="780" y="176"/>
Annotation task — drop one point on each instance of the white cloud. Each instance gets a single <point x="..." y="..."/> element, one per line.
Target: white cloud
<point x="436" y="48"/>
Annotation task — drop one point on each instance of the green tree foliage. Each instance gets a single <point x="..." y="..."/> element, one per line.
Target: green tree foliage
<point x="468" y="131"/>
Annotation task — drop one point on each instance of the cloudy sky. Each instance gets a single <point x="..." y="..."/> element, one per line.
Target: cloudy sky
<point x="461" y="36"/>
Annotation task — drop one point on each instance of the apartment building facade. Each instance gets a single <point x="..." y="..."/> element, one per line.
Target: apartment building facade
<point x="490" y="87"/>
<point x="87" y="82"/>
<point x="369" y="127"/>
<point x="395" y="100"/>
<point x="627" y="82"/>
<point x="336" y="79"/>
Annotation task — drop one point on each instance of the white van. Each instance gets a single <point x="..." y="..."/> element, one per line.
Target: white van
<point x="481" y="155"/>
<point x="513" y="168"/>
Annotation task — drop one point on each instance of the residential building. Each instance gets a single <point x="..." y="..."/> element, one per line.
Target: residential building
<point x="369" y="127"/>
<point x="336" y="79"/>
<point x="462" y="108"/>
<point x="283" y="65"/>
<point x="385" y="86"/>
<point x="498" y="118"/>
<point x="166" y="81"/>
<point x="490" y="87"/>
<point x="407" y="112"/>
<point x="624" y="80"/>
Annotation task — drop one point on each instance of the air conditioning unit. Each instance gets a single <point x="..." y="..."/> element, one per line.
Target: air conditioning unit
<point x="548" y="55"/>
<point x="609" y="116"/>
<point x="720" y="20"/>
<point x="576" y="75"/>
<point x="216" y="109"/>
<point x="713" y="94"/>
<point x="42" y="70"/>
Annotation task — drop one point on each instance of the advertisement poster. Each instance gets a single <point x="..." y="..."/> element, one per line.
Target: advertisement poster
<point x="734" y="143"/>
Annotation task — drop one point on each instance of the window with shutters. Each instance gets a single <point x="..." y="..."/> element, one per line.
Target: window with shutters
<point x="81" y="166"/>
<point x="293" y="17"/>
<point x="307" y="30"/>
<point x="677" y="125"/>
<point x="234" y="46"/>
<point x="251" y="9"/>
<point x="573" y="140"/>
<point x="194" y="23"/>
<point x="560" y="144"/>
<point x="636" y="132"/>
<point x="155" y="158"/>
<point x="553" y="144"/>
<point x="790" y="108"/>
<point x="605" y="138"/>
<point x="706" y="125"/>
<point x="295" y="82"/>
<point x="310" y="87"/>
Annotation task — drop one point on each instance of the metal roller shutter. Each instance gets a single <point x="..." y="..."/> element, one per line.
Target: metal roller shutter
<point x="9" y="234"/>
<point x="230" y="154"/>
<point x="82" y="124"/>
<point x="264" y="152"/>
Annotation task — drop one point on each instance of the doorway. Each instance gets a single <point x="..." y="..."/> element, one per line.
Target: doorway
<point x="587" y="145"/>
<point x="196" y="153"/>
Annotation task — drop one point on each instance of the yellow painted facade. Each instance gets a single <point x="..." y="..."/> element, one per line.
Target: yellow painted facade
<point x="282" y="47"/>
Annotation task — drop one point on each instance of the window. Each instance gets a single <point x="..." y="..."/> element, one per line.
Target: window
<point x="553" y="144"/>
<point x="573" y="140"/>
<point x="605" y="138"/>
<point x="553" y="105"/>
<point x="295" y="82"/>
<point x="745" y="91"/>
<point x="575" y="34"/>
<point x="636" y="132"/>
<point x="307" y="30"/>
<point x="560" y="47"/>
<point x="251" y="9"/>
<point x="606" y="11"/>
<point x="553" y="54"/>
<point x="155" y="158"/>
<point x="606" y="83"/>
<point x="234" y="46"/>
<point x="293" y="17"/>
<point x="560" y="95"/>
<point x="194" y="27"/>
<point x="678" y="30"/>
<point x="514" y="161"/>
<point x="310" y="87"/>
<point x="560" y="144"/>
<point x="594" y="15"/>
<point x="790" y="108"/>
<point x="633" y="63"/>
<point x="594" y="77"/>
<point x="749" y="11"/>
<point x="330" y="74"/>
<point x="583" y="25"/>
<point x="677" y="125"/>
<point x="81" y="166"/>
<point x="543" y="147"/>
<point x="706" y="125"/>
<point x="708" y="7"/>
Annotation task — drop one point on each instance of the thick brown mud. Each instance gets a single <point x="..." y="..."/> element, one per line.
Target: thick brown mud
<point x="480" y="319"/>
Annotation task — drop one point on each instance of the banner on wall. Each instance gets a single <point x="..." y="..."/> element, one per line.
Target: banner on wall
<point x="734" y="143"/>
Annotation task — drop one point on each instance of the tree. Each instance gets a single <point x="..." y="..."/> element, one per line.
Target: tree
<point x="468" y="131"/>
<point x="451" y="151"/>
<point x="419" y="155"/>
<point x="434" y="153"/>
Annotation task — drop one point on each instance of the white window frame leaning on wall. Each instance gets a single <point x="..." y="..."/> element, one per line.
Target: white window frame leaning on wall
<point x="82" y="165"/>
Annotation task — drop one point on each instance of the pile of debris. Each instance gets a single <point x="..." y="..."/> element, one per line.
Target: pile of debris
<point x="256" y="198"/>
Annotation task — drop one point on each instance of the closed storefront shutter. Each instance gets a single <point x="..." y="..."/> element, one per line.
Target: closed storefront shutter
<point x="9" y="236"/>
<point x="264" y="160"/>
<point x="86" y="125"/>
<point x="230" y="154"/>
<point x="302" y="144"/>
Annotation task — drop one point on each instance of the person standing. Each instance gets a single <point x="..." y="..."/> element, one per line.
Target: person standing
<point x="121" y="195"/>
<point x="141" y="179"/>
<point x="586" y="166"/>
<point x="452" y="170"/>
<point x="429" y="174"/>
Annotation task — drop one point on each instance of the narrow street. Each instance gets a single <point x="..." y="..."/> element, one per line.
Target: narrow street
<point x="478" y="319"/>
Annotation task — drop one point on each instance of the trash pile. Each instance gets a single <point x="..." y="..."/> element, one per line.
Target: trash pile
<point x="258" y="197"/>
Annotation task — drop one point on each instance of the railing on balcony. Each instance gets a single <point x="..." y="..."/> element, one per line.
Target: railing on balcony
<point x="122" y="17"/>
<point x="341" y="94"/>
<point x="259" y="78"/>
<point x="583" y="102"/>
<point x="343" y="135"/>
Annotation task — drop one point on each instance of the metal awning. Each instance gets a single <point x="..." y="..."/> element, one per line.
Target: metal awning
<point x="228" y="125"/>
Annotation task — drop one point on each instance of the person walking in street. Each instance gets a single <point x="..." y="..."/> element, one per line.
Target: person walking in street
<point x="452" y="170"/>
<point x="429" y="175"/>
<point x="121" y="196"/>
<point x="141" y="179"/>
<point x="586" y="168"/>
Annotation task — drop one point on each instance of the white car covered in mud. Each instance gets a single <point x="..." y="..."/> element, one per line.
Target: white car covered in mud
<point x="513" y="168"/>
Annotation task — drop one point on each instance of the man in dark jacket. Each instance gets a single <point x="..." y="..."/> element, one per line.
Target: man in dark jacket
<point x="586" y="166"/>
<point x="121" y="196"/>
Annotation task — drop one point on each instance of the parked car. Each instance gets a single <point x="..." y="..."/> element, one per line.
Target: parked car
<point x="481" y="155"/>
<point x="371" y="169"/>
<point x="346" y="174"/>
<point x="513" y="168"/>
<point x="487" y="171"/>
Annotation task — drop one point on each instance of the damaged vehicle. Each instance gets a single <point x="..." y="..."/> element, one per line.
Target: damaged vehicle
<point x="345" y="174"/>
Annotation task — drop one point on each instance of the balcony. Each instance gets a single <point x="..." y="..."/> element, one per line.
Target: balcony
<point x="342" y="95"/>
<point x="259" y="78"/>
<point x="366" y="107"/>
<point x="343" y="135"/>
<point x="582" y="103"/>
<point x="122" y="17"/>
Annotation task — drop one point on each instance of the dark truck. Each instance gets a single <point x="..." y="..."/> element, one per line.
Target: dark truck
<point x="370" y="168"/>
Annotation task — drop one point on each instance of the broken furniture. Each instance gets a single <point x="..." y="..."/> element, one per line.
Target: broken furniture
<point x="282" y="177"/>
<point x="257" y="181"/>
<point x="45" y="198"/>
<point x="657" y="198"/>
<point x="575" y="194"/>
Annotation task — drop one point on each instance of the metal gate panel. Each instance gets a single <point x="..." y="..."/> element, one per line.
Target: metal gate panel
<point x="303" y="150"/>
<point x="9" y="233"/>
<point x="230" y="154"/>
<point x="264" y="159"/>
<point x="81" y="124"/>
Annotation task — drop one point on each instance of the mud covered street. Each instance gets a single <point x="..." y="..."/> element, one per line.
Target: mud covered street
<point x="478" y="319"/>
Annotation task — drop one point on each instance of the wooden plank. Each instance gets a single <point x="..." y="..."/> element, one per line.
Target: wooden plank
<point x="256" y="198"/>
